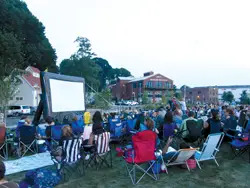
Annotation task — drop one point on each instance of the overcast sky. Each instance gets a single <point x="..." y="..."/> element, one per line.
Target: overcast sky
<point x="193" y="42"/>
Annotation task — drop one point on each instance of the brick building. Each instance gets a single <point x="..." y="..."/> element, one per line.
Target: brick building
<point x="130" y="88"/>
<point x="201" y="95"/>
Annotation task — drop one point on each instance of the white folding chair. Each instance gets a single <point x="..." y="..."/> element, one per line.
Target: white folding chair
<point x="210" y="148"/>
<point x="181" y="157"/>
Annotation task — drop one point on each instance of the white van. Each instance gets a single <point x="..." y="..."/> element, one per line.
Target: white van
<point x="18" y="110"/>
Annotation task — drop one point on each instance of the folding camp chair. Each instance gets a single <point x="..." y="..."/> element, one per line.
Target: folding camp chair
<point x="100" y="151"/>
<point x="27" y="140"/>
<point x="240" y="145"/>
<point x="3" y="144"/>
<point x="181" y="157"/>
<point x="56" y="134"/>
<point x="71" y="158"/>
<point x="210" y="148"/>
<point x="143" y="152"/>
<point x="195" y="132"/>
<point x="78" y="127"/>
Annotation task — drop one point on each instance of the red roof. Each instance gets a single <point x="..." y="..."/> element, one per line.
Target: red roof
<point x="34" y="69"/>
<point x="29" y="77"/>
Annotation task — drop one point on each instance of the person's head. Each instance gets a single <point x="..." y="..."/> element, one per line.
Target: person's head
<point x="215" y="114"/>
<point x="191" y="114"/>
<point x="67" y="131"/>
<point x="97" y="117"/>
<point x="168" y="117"/>
<point x="74" y="118"/>
<point x="2" y="170"/>
<point x="149" y="123"/>
<point x="177" y="113"/>
<point x="229" y="112"/>
<point x="49" y="120"/>
<point x="27" y="121"/>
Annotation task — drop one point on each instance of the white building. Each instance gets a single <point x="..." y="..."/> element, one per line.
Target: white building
<point x="236" y="90"/>
<point x="29" y="90"/>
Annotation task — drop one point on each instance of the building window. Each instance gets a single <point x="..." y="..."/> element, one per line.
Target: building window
<point x="20" y="98"/>
<point x="190" y="93"/>
<point x="199" y="92"/>
<point x="159" y="85"/>
<point x="149" y="84"/>
<point x="17" y="98"/>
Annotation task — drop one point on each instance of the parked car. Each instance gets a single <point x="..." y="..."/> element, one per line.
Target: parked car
<point x="18" y="110"/>
<point x="33" y="109"/>
<point x="133" y="103"/>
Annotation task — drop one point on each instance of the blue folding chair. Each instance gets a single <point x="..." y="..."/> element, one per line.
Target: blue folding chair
<point x="130" y="125"/>
<point x="77" y="127"/>
<point x="56" y="132"/>
<point x="27" y="140"/>
<point x="240" y="146"/>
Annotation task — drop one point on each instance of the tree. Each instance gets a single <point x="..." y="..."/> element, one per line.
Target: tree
<point x="145" y="99"/>
<point x="105" y="73"/>
<point x="23" y="41"/>
<point x="169" y="95"/>
<point x="84" y="48"/>
<point x="244" y="99"/>
<point x="178" y="95"/>
<point x="228" y="96"/>
<point x="9" y="88"/>
<point x="83" y="67"/>
<point x="120" y="72"/>
<point x="103" y="99"/>
<point x="164" y="100"/>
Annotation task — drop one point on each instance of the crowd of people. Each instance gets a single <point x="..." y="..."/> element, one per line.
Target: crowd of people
<point x="174" y="120"/>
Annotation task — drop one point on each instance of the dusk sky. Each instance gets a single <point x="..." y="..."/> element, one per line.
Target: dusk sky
<point x="193" y="42"/>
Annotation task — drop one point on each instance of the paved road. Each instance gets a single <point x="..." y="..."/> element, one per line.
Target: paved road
<point x="12" y="121"/>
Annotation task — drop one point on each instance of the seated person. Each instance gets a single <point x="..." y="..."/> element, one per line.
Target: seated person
<point x="97" y="127"/>
<point x="4" y="183"/>
<point x="77" y="125"/>
<point x="213" y="124"/>
<point x="49" y="120"/>
<point x="183" y="127"/>
<point x="87" y="128"/>
<point x="169" y="126"/>
<point x="23" y="121"/>
<point x="67" y="134"/>
<point x="230" y="122"/>
<point x="177" y="118"/>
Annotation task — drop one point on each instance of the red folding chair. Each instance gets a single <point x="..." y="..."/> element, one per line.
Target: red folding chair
<point x="143" y="152"/>
<point x="3" y="145"/>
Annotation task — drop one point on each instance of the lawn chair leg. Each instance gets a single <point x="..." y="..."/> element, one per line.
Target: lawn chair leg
<point x="198" y="164"/>
<point x="187" y="166"/>
<point x="111" y="159"/>
<point x="216" y="162"/>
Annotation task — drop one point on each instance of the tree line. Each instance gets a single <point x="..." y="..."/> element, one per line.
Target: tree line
<point x="23" y="43"/>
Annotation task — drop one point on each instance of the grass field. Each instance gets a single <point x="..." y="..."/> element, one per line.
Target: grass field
<point x="230" y="173"/>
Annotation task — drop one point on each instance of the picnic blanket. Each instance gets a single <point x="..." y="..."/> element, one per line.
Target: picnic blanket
<point x="28" y="163"/>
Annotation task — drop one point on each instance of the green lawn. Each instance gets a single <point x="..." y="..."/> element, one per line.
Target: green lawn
<point x="230" y="173"/>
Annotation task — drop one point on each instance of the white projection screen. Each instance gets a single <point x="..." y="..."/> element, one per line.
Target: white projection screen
<point x="66" y="95"/>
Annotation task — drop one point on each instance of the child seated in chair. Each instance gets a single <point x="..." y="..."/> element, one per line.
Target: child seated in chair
<point x="67" y="134"/>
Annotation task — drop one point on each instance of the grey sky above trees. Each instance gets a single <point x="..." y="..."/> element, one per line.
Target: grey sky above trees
<point x="193" y="42"/>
